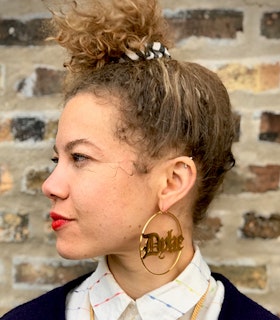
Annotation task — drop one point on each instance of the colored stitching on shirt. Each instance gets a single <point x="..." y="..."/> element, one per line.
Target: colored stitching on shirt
<point x="166" y="304"/>
<point x="198" y="267"/>
<point x="188" y="287"/>
<point x="108" y="299"/>
<point x="199" y="273"/>
<point x="78" y="308"/>
<point x="97" y="281"/>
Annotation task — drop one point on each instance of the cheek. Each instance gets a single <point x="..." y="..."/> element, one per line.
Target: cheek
<point x="94" y="192"/>
<point x="120" y="200"/>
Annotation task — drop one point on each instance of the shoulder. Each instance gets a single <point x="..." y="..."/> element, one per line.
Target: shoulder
<point x="48" y="306"/>
<point x="237" y="306"/>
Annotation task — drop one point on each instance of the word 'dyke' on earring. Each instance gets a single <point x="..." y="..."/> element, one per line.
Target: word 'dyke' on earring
<point x="167" y="247"/>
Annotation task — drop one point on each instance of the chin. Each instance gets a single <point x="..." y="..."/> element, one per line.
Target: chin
<point x="66" y="252"/>
<point x="72" y="253"/>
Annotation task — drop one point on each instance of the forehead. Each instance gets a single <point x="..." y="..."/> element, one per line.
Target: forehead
<point x="86" y="104"/>
<point x="90" y="118"/>
<point x="86" y="114"/>
<point x="87" y="117"/>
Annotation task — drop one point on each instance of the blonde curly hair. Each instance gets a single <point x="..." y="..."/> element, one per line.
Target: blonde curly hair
<point x="166" y="106"/>
<point x="97" y="32"/>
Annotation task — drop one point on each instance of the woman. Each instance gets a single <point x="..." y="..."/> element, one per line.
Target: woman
<point x="143" y="144"/>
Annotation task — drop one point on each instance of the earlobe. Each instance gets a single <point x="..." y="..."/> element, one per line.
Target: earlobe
<point x="180" y="178"/>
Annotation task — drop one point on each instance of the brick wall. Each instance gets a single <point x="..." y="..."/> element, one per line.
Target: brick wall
<point x="240" y="40"/>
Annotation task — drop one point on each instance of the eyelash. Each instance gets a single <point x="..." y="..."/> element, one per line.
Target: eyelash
<point x="54" y="160"/>
<point x="76" y="157"/>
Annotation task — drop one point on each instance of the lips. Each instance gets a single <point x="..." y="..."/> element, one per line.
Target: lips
<point x="58" y="221"/>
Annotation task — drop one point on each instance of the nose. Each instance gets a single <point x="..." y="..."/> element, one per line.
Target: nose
<point x="56" y="185"/>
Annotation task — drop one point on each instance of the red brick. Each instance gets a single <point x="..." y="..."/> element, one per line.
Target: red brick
<point x="266" y="178"/>
<point x="269" y="76"/>
<point x="5" y="130"/>
<point x="43" y="81"/>
<point x="257" y="78"/>
<point x="207" y="23"/>
<point x="34" y="179"/>
<point x="16" y="32"/>
<point x="48" y="272"/>
<point x="13" y="227"/>
<point x="256" y="226"/>
<point x="270" y="127"/>
<point x="6" y="179"/>
<point x="28" y="128"/>
<point x="270" y="25"/>
<point x="48" y="81"/>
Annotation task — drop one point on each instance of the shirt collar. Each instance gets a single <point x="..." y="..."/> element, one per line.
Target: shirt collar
<point x="109" y="301"/>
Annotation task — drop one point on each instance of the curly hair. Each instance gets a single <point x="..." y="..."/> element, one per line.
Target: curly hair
<point x="104" y="30"/>
<point x="166" y="106"/>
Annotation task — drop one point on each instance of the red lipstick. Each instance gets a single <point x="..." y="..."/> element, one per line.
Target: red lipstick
<point x="58" y="221"/>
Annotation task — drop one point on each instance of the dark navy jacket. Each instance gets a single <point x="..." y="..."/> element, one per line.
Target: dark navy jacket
<point x="51" y="306"/>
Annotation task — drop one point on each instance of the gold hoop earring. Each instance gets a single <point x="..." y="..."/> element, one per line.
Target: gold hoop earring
<point x="152" y="245"/>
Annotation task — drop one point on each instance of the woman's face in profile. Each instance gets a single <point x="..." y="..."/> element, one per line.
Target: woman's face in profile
<point x="99" y="202"/>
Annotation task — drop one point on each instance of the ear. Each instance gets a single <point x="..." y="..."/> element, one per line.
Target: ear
<point x="178" y="180"/>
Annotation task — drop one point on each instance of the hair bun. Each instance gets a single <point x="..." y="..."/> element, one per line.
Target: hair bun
<point x="97" y="32"/>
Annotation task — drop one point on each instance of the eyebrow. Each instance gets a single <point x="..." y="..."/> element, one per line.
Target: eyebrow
<point x="71" y="144"/>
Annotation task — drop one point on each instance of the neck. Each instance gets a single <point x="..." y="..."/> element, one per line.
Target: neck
<point x="136" y="281"/>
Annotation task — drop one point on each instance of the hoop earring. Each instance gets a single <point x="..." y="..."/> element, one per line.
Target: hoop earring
<point x="151" y="244"/>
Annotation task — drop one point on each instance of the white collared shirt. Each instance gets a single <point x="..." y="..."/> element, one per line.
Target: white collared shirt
<point x="172" y="301"/>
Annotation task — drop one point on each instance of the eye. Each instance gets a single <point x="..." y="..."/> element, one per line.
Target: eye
<point x="77" y="157"/>
<point x="54" y="160"/>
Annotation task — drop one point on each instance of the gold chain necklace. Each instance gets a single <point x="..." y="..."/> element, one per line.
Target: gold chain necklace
<point x="195" y="313"/>
<point x="198" y="306"/>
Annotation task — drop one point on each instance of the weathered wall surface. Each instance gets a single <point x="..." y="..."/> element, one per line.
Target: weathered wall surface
<point x="240" y="40"/>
